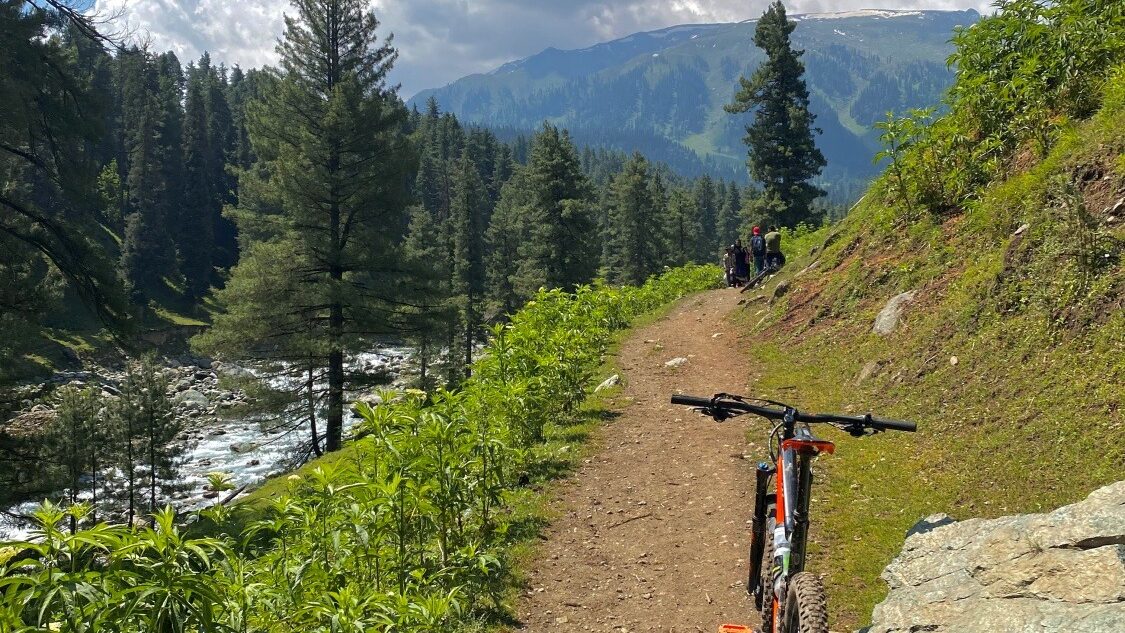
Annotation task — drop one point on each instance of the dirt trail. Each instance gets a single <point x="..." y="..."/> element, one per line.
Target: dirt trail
<point x="655" y="525"/>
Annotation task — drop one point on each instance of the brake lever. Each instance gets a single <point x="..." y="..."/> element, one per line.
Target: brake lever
<point x="717" y="414"/>
<point x="859" y="430"/>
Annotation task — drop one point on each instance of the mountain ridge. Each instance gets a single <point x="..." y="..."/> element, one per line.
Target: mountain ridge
<point x="666" y="88"/>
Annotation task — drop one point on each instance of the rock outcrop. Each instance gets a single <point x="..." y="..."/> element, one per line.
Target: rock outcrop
<point x="1056" y="572"/>
<point x="888" y="318"/>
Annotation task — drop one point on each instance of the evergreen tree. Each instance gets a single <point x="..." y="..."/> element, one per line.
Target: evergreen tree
<point x="50" y="129"/>
<point x="710" y="244"/>
<point x="560" y="249"/>
<point x="502" y="170"/>
<point x="426" y="289"/>
<point x="220" y="137"/>
<point x="330" y="191"/>
<point x="195" y="226"/>
<point x="783" y="156"/>
<point x="685" y="229"/>
<point x="469" y="217"/>
<point x="170" y="135"/>
<point x="146" y="251"/>
<point x="111" y="196"/>
<point x="75" y="443"/>
<point x="662" y="239"/>
<point x="634" y="234"/>
<point x="730" y="209"/>
<point x="507" y="230"/>
<point x="146" y="426"/>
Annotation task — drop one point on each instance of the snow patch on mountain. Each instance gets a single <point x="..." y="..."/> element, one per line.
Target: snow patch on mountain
<point x="862" y="13"/>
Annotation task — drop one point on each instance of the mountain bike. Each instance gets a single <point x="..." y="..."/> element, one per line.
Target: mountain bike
<point x="790" y="599"/>
<point x="771" y="268"/>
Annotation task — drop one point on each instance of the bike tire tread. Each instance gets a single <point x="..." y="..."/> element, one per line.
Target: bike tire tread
<point x="806" y="594"/>
<point x="765" y="609"/>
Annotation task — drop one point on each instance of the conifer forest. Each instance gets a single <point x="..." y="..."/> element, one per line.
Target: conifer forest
<point x="283" y="348"/>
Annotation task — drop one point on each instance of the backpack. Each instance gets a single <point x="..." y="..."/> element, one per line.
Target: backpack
<point x="758" y="245"/>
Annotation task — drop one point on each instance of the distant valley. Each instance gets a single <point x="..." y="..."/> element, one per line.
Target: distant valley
<point x="662" y="92"/>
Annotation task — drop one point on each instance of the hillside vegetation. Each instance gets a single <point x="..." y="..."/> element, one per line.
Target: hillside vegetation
<point x="663" y="92"/>
<point x="1004" y="218"/>
<point x="409" y="529"/>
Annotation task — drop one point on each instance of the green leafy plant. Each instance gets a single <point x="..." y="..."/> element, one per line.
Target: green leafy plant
<point x="408" y="536"/>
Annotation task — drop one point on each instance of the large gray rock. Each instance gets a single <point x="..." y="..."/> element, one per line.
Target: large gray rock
<point x="888" y="318"/>
<point x="235" y="372"/>
<point x="193" y="399"/>
<point x="1057" y="572"/>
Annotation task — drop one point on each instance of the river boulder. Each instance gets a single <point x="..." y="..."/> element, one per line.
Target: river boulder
<point x="193" y="399"/>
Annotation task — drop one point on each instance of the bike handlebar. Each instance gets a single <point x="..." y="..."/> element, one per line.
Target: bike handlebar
<point x="880" y="424"/>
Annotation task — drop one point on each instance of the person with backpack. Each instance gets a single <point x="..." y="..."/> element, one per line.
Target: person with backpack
<point x="758" y="250"/>
<point x="774" y="257"/>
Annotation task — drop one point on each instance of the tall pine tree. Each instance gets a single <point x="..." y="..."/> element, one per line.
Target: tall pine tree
<point x="710" y="244"/>
<point x="195" y="228"/>
<point x="221" y="136"/>
<point x="332" y="187"/>
<point x="730" y="209"/>
<point x="468" y="221"/>
<point x="425" y="289"/>
<point x="146" y="250"/>
<point x="507" y="230"/>
<point x="783" y="156"/>
<point x="635" y="234"/>
<point x="560" y="249"/>
<point x="685" y="230"/>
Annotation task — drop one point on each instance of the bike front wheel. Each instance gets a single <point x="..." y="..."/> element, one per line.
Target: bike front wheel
<point x="806" y="605"/>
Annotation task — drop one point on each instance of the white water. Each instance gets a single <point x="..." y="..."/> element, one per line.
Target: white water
<point x="274" y="449"/>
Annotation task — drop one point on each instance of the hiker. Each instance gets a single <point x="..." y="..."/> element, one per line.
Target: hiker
<point x="758" y="250"/>
<point x="774" y="257"/>
<point x="741" y="262"/>
<point x="728" y="266"/>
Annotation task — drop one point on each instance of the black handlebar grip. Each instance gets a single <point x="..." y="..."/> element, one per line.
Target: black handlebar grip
<point x="691" y="401"/>
<point x="894" y="425"/>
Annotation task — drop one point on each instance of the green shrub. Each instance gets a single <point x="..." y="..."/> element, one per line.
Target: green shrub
<point x="408" y="536"/>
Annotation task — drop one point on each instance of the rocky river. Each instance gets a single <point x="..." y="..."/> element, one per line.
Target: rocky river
<point x="246" y="449"/>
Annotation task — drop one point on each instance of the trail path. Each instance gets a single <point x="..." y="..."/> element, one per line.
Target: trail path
<point x="655" y="526"/>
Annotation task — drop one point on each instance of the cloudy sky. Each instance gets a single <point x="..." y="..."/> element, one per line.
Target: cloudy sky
<point x="442" y="40"/>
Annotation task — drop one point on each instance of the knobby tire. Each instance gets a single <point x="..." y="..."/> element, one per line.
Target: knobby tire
<point x="765" y="574"/>
<point x="806" y="606"/>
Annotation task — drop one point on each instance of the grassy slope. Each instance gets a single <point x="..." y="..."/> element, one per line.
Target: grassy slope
<point x="1029" y="415"/>
<point x="73" y="332"/>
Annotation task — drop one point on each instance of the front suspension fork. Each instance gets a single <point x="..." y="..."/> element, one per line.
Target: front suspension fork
<point x="758" y="526"/>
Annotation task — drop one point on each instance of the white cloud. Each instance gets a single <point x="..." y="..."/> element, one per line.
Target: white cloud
<point x="442" y="40"/>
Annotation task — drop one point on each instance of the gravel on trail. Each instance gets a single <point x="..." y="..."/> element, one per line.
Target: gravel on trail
<point x="654" y="527"/>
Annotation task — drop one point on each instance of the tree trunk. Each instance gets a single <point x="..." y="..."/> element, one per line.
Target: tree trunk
<point x="312" y="414"/>
<point x="132" y="475"/>
<point x="334" y="430"/>
<point x="335" y="419"/>
<point x="152" y="468"/>
<point x="470" y="318"/>
<point x="94" y="487"/>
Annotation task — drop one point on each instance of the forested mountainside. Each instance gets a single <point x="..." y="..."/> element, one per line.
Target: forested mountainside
<point x="663" y="92"/>
<point x="152" y="184"/>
